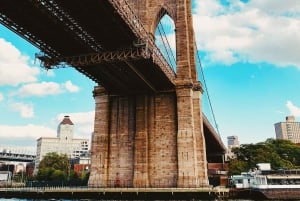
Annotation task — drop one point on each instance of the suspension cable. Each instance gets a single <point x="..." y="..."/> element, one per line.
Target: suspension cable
<point x="206" y="89"/>
<point x="174" y="59"/>
<point x="166" y="44"/>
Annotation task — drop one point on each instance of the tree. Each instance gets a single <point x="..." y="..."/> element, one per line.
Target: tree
<point x="237" y="166"/>
<point x="279" y="153"/>
<point x="54" y="167"/>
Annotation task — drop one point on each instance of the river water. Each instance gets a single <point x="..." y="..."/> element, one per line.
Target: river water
<point x="15" y="199"/>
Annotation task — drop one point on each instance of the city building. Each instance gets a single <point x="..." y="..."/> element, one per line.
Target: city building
<point x="288" y="130"/>
<point x="232" y="141"/>
<point x="64" y="143"/>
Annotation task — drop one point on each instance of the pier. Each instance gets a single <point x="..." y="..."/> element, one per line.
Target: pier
<point x="114" y="193"/>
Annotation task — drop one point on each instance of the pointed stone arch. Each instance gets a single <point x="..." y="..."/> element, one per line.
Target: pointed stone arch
<point x="161" y="12"/>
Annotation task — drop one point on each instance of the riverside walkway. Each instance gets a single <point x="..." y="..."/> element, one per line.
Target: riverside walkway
<point x="114" y="193"/>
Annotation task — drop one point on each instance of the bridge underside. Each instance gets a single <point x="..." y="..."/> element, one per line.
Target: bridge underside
<point x="76" y="30"/>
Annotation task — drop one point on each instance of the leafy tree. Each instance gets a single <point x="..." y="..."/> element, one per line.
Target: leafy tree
<point x="279" y="153"/>
<point x="53" y="167"/>
<point x="56" y="161"/>
<point x="237" y="166"/>
<point x="44" y="174"/>
<point x="58" y="175"/>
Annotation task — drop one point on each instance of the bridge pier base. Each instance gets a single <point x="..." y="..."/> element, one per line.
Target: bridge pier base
<point x="192" y="164"/>
<point x="137" y="142"/>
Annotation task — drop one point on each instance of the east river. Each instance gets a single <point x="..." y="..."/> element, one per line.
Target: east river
<point x="15" y="199"/>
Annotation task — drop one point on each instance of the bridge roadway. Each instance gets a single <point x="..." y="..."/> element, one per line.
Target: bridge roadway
<point x="103" y="40"/>
<point x="114" y="193"/>
<point x="16" y="157"/>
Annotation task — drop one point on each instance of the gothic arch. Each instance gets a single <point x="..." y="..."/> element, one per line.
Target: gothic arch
<point x="160" y="12"/>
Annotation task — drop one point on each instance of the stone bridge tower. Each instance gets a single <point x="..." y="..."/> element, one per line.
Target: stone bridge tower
<point x="153" y="140"/>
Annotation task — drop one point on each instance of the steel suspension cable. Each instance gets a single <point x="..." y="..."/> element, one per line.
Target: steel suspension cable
<point x="165" y="44"/>
<point x="168" y="42"/>
<point x="206" y="89"/>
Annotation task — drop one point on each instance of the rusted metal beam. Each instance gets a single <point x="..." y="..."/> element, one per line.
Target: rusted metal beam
<point x="142" y="77"/>
<point x="21" y="31"/>
<point x="95" y="58"/>
<point x="60" y="15"/>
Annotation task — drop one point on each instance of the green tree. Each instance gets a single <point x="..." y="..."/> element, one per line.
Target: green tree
<point x="58" y="175"/>
<point x="54" y="167"/>
<point x="279" y="153"/>
<point x="237" y="166"/>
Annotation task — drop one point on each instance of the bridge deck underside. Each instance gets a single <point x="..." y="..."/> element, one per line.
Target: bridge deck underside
<point x="215" y="148"/>
<point x="69" y="28"/>
<point x="123" y="77"/>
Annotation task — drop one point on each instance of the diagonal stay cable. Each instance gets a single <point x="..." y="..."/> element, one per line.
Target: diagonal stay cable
<point x="205" y="85"/>
<point x="164" y="43"/>
<point x="169" y="46"/>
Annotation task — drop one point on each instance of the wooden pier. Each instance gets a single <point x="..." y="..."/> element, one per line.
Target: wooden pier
<point x="115" y="193"/>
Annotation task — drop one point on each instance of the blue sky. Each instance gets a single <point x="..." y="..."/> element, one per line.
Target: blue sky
<point x="251" y="61"/>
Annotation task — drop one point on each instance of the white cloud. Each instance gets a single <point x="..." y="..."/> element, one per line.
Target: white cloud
<point x="258" y="31"/>
<point x="294" y="110"/>
<point x="27" y="131"/>
<point x="46" y="88"/>
<point x="287" y="7"/>
<point x="83" y="122"/>
<point x="71" y="87"/>
<point x="1" y="97"/>
<point x="25" y="110"/>
<point x="14" y="68"/>
<point x="48" y="72"/>
<point x="40" y="89"/>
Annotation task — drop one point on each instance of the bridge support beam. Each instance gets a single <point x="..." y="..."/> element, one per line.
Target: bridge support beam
<point x="150" y="140"/>
<point x="134" y="142"/>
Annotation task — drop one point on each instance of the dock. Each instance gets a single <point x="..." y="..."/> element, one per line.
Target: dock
<point x="114" y="193"/>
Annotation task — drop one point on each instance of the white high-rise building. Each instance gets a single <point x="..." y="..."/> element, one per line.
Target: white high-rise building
<point x="64" y="143"/>
<point x="232" y="141"/>
<point x="289" y="130"/>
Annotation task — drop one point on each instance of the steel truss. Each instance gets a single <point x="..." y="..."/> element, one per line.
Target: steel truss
<point x="62" y="16"/>
<point x="138" y="53"/>
<point x="94" y="58"/>
<point x="53" y="59"/>
<point x="6" y="21"/>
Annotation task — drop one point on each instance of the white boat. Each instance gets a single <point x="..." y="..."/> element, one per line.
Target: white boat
<point x="279" y="184"/>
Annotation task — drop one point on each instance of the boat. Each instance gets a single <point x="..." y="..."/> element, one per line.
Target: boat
<point x="267" y="183"/>
<point x="283" y="184"/>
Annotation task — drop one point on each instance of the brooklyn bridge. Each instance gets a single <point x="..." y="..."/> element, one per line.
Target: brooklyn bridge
<point x="149" y="129"/>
